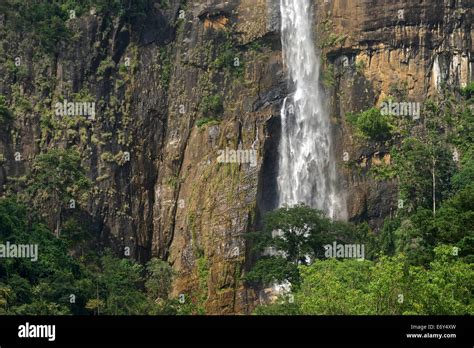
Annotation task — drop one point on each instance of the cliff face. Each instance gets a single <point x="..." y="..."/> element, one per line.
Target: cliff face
<point x="189" y="80"/>
<point x="381" y="48"/>
<point x="200" y="218"/>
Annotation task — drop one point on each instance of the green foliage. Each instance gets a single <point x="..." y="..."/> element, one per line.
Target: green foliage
<point x="5" y="114"/>
<point x="172" y="181"/>
<point x="468" y="91"/>
<point x="462" y="134"/>
<point x="416" y="235"/>
<point x="415" y="162"/>
<point x="387" y="238"/>
<point x="272" y="269"/>
<point x="56" y="177"/>
<point x="454" y="222"/>
<point x="303" y="232"/>
<point x="421" y="260"/>
<point x="257" y="45"/>
<point x="119" y="280"/>
<point x="165" y="67"/>
<point x="165" y="4"/>
<point x="203" y="272"/>
<point x="372" y="124"/>
<point x="95" y="305"/>
<point x="74" y="234"/>
<point x="445" y="288"/>
<point x="282" y="307"/>
<point x="44" y="286"/>
<point x="464" y="176"/>
<point x="56" y="181"/>
<point x="414" y="238"/>
<point x="329" y="78"/>
<point x="129" y="10"/>
<point x="105" y="66"/>
<point x="203" y="275"/>
<point x="298" y="226"/>
<point x="47" y="20"/>
<point x="108" y="284"/>
<point x="160" y="277"/>
<point x="399" y="91"/>
<point x="225" y="59"/>
<point x="387" y="287"/>
<point x="206" y="121"/>
<point x="334" y="287"/>
<point x="332" y="39"/>
<point x="360" y="67"/>
<point x="101" y="284"/>
<point x="228" y="58"/>
<point x="212" y="106"/>
<point x="383" y="171"/>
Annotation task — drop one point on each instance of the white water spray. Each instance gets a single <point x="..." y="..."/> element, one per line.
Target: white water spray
<point x="307" y="169"/>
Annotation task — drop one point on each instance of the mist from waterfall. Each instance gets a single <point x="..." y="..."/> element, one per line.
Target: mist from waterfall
<point x="307" y="168"/>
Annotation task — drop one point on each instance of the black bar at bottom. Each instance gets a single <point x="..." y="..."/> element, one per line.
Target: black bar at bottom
<point x="447" y="331"/>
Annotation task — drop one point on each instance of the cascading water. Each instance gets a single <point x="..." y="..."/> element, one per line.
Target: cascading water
<point x="307" y="169"/>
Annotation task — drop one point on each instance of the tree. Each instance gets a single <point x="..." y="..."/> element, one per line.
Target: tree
<point x="334" y="287"/>
<point x="372" y="124"/>
<point x="445" y="288"/>
<point x="95" y="305"/>
<point x="295" y="232"/>
<point x="119" y="282"/>
<point x="387" y="286"/>
<point x="41" y="286"/>
<point x="415" y="237"/>
<point x="56" y="178"/>
<point x="424" y="171"/>
<point x="5" y="295"/>
<point x="159" y="280"/>
<point x="465" y="175"/>
<point x="272" y="269"/>
<point x="387" y="236"/>
<point x="294" y="236"/>
<point x="418" y="234"/>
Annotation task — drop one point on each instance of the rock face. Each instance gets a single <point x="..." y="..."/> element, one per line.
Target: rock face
<point x="404" y="48"/>
<point x="189" y="81"/>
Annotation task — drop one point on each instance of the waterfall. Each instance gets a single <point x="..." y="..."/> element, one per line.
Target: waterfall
<point x="307" y="168"/>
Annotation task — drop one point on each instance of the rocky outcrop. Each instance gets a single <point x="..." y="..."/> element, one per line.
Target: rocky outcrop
<point x="379" y="48"/>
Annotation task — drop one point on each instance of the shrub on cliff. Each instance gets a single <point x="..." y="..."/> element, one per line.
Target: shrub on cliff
<point x="372" y="124"/>
<point x="5" y="113"/>
<point x="212" y="106"/>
